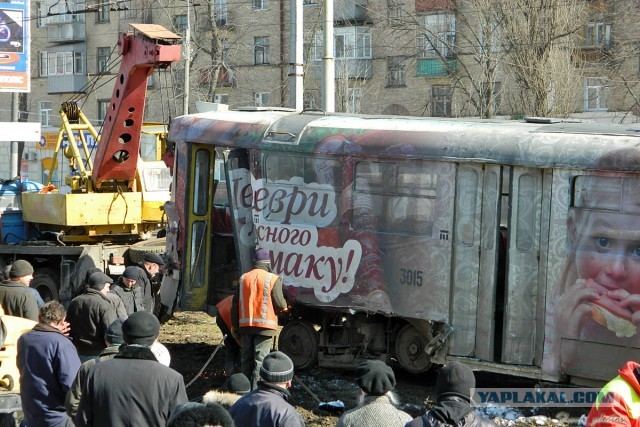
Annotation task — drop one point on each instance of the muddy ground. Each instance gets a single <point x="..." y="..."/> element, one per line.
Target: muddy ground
<point x="192" y="337"/>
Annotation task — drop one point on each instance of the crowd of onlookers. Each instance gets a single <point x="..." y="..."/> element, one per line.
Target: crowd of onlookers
<point x="99" y="363"/>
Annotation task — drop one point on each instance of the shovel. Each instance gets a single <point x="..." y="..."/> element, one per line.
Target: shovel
<point x="334" y="407"/>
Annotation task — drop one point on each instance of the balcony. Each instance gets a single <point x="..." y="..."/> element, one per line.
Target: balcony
<point x="345" y="68"/>
<point x="349" y="10"/>
<point x="435" y="67"/>
<point x="66" y="83"/>
<point x="69" y="31"/>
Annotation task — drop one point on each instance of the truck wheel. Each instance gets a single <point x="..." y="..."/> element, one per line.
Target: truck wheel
<point x="137" y="250"/>
<point x="410" y="345"/>
<point x="45" y="283"/>
<point x="299" y="341"/>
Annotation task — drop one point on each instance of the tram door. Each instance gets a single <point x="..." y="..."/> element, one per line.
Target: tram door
<point x="522" y="308"/>
<point x="475" y="259"/>
<point x="197" y="210"/>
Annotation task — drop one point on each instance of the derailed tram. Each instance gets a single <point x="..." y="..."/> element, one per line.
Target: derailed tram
<point x="511" y="246"/>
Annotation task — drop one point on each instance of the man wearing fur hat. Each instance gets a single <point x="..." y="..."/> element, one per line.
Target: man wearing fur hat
<point x="133" y="388"/>
<point x="90" y="314"/>
<point x="15" y="297"/>
<point x="453" y="407"/>
<point x="269" y="405"/>
<point x="127" y="288"/>
<point x="254" y="314"/>
<point x="377" y="403"/>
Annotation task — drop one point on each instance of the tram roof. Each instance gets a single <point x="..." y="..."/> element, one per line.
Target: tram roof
<point x="553" y="144"/>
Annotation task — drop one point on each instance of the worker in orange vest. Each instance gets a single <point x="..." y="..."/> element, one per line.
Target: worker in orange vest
<point x="254" y="314"/>
<point x="231" y="344"/>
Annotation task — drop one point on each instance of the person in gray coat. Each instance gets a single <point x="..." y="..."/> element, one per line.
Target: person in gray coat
<point x="15" y="297"/>
<point x="133" y="388"/>
<point x="377" y="404"/>
<point x="127" y="288"/>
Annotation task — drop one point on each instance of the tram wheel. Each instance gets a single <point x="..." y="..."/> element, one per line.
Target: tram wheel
<point x="299" y="340"/>
<point x="410" y="345"/>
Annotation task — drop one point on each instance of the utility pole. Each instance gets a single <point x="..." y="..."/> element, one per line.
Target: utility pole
<point x="187" y="62"/>
<point x="14" y="144"/>
<point x="296" y="90"/>
<point x="328" y="61"/>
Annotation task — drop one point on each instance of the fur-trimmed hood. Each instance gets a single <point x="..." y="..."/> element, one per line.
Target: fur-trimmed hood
<point x="223" y="398"/>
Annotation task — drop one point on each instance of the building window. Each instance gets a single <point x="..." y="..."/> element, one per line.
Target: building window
<point x="103" y="107"/>
<point x="46" y="111"/>
<point x="597" y="34"/>
<point x="395" y="9"/>
<point x="43" y="70"/>
<point x="348" y="43"/>
<point x="311" y="99"/>
<point x="262" y="99"/>
<point x="41" y="10"/>
<point x="310" y="2"/>
<point x="497" y="97"/>
<point x="60" y="63"/>
<point x="595" y="94"/>
<point x="221" y="12"/>
<point x="128" y="10"/>
<point x="103" y="60"/>
<point x="221" y="98"/>
<point x="180" y="24"/>
<point x="440" y="101"/>
<point x="103" y="12"/>
<point x="354" y="100"/>
<point x="396" y="71"/>
<point x="437" y="37"/>
<point x="258" y="4"/>
<point x="261" y="50"/>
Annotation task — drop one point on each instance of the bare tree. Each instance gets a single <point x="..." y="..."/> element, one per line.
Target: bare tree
<point x="540" y="36"/>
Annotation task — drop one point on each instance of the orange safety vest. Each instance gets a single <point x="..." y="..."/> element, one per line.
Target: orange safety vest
<point x="255" y="306"/>
<point x="224" y="310"/>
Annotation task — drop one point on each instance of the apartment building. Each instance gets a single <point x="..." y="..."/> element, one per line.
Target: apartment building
<point x="405" y="57"/>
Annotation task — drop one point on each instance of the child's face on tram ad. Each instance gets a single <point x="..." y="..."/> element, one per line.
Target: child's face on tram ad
<point x="605" y="233"/>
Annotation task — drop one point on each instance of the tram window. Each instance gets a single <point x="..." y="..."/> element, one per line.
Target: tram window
<point x="283" y="168"/>
<point x="198" y="258"/>
<point x="617" y="194"/>
<point x="526" y="213"/>
<point x="201" y="183"/>
<point x="399" y="198"/>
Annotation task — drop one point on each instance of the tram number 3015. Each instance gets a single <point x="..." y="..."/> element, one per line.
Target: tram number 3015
<point x="410" y="277"/>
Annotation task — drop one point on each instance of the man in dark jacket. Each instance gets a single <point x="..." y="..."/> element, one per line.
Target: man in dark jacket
<point x="149" y="282"/>
<point x="113" y="338"/>
<point x="269" y="405"/>
<point x="128" y="290"/>
<point x="133" y="388"/>
<point x="453" y="407"/>
<point x="90" y="314"/>
<point x="48" y="363"/>
<point x="15" y="297"/>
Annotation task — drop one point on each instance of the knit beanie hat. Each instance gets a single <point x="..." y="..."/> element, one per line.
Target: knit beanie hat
<point x="20" y="268"/>
<point x="98" y="280"/>
<point x="375" y="377"/>
<point x="151" y="257"/>
<point x="239" y="384"/>
<point x="261" y="255"/>
<point x="276" y="368"/>
<point x="132" y="273"/>
<point x="455" y="379"/>
<point x="113" y="335"/>
<point x="141" y="327"/>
